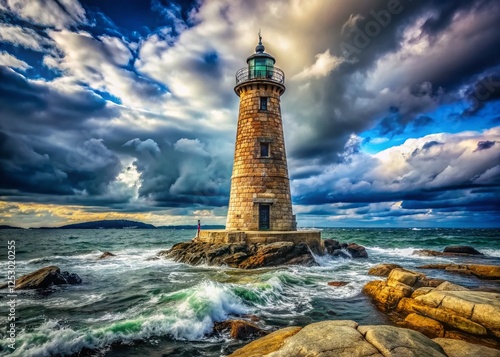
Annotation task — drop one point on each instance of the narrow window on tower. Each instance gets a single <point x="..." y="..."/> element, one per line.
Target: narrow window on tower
<point x="263" y="103"/>
<point x="264" y="149"/>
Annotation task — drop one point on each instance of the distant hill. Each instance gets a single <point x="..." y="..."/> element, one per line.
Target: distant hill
<point x="108" y="224"/>
<point x="9" y="227"/>
<point x="203" y="226"/>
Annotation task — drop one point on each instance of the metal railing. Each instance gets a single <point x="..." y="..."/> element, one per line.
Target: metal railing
<point x="270" y="73"/>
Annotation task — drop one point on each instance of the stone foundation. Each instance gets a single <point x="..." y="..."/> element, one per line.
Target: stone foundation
<point x="311" y="238"/>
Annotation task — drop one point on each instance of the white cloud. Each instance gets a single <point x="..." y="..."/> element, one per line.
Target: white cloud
<point x="8" y="60"/>
<point x="434" y="162"/>
<point x="191" y="146"/>
<point x="325" y="63"/>
<point x="24" y="37"/>
<point x="377" y="141"/>
<point x="351" y="22"/>
<point x="100" y="63"/>
<point x="47" y="12"/>
<point x="148" y="145"/>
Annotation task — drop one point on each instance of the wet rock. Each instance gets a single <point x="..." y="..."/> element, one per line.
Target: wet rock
<point x="71" y="278"/>
<point x="383" y="269"/>
<point x="331" y="245"/>
<point x="427" y="253"/>
<point x="357" y="251"/>
<point x="243" y="256"/>
<point x="344" y="250"/>
<point x="342" y="338"/>
<point x="45" y="277"/>
<point x="458" y="250"/>
<point x="239" y="329"/>
<point x="462" y="249"/>
<point x="486" y="272"/>
<point x="342" y="253"/>
<point x="107" y="255"/>
<point x="338" y="283"/>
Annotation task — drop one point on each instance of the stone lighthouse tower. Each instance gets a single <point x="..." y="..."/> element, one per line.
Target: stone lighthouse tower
<point x="260" y="205"/>
<point x="260" y="187"/>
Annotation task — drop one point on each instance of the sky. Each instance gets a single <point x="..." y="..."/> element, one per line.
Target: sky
<point x="126" y="109"/>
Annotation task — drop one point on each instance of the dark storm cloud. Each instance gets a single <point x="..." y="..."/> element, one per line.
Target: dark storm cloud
<point x="484" y="145"/>
<point x="185" y="174"/>
<point x="332" y="114"/>
<point x="484" y="90"/>
<point x="68" y="162"/>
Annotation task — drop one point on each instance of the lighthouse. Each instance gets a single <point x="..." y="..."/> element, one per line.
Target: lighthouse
<point x="260" y="196"/>
<point x="260" y="203"/>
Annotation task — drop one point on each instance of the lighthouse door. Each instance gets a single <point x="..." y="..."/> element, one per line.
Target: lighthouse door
<point x="264" y="211"/>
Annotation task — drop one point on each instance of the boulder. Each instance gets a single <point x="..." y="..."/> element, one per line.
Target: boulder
<point x="267" y="344"/>
<point x="239" y="255"/>
<point x="342" y="338"/>
<point x="386" y="297"/>
<point x="71" y="278"/>
<point x="331" y="245"/>
<point x="425" y="325"/>
<point x="457" y="348"/>
<point x="239" y="329"/>
<point x="344" y="250"/>
<point x="107" y="255"/>
<point x="338" y="283"/>
<point x="462" y="249"/>
<point x="45" y="277"/>
<point x="383" y="269"/>
<point x="397" y="342"/>
<point x="357" y="251"/>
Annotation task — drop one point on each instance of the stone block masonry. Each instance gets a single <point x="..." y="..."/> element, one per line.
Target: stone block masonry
<point x="260" y="178"/>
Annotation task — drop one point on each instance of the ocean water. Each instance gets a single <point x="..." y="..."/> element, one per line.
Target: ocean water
<point x="137" y="305"/>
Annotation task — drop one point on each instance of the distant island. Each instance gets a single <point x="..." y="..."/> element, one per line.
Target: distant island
<point x="4" y="226"/>
<point x="109" y="224"/>
<point x="124" y="224"/>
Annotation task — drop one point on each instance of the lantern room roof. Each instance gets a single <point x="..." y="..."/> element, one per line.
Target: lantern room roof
<point x="259" y="52"/>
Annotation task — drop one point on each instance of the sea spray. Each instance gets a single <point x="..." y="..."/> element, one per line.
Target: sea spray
<point x="188" y="314"/>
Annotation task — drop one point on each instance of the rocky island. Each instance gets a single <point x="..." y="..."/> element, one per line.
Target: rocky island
<point x="260" y="253"/>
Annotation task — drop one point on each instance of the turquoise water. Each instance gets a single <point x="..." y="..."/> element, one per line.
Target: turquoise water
<point x="137" y="305"/>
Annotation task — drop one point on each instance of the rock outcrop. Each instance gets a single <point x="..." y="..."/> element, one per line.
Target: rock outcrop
<point x="257" y="255"/>
<point x="107" y="255"/>
<point x="239" y="329"/>
<point x="462" y="249"/>
<point x="487" y="272"/>
<point x="243" y="256"/>
<point x="383" y="269"/>
<point x="437" y="308"/>
<point x="346" y="338"/>
<point x="44" y="278"/>
<point x="345" y="250"/>
<point x="451" y="251"/>
<point x="338" y="283"/>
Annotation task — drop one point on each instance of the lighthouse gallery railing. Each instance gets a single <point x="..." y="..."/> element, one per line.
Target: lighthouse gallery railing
<point x="270" y="73"/>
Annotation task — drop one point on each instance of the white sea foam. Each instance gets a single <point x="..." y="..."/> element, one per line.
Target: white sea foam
<point x="491" y="252"/>
<point x="400" y="252"/>
<point x="188" y="318"/>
